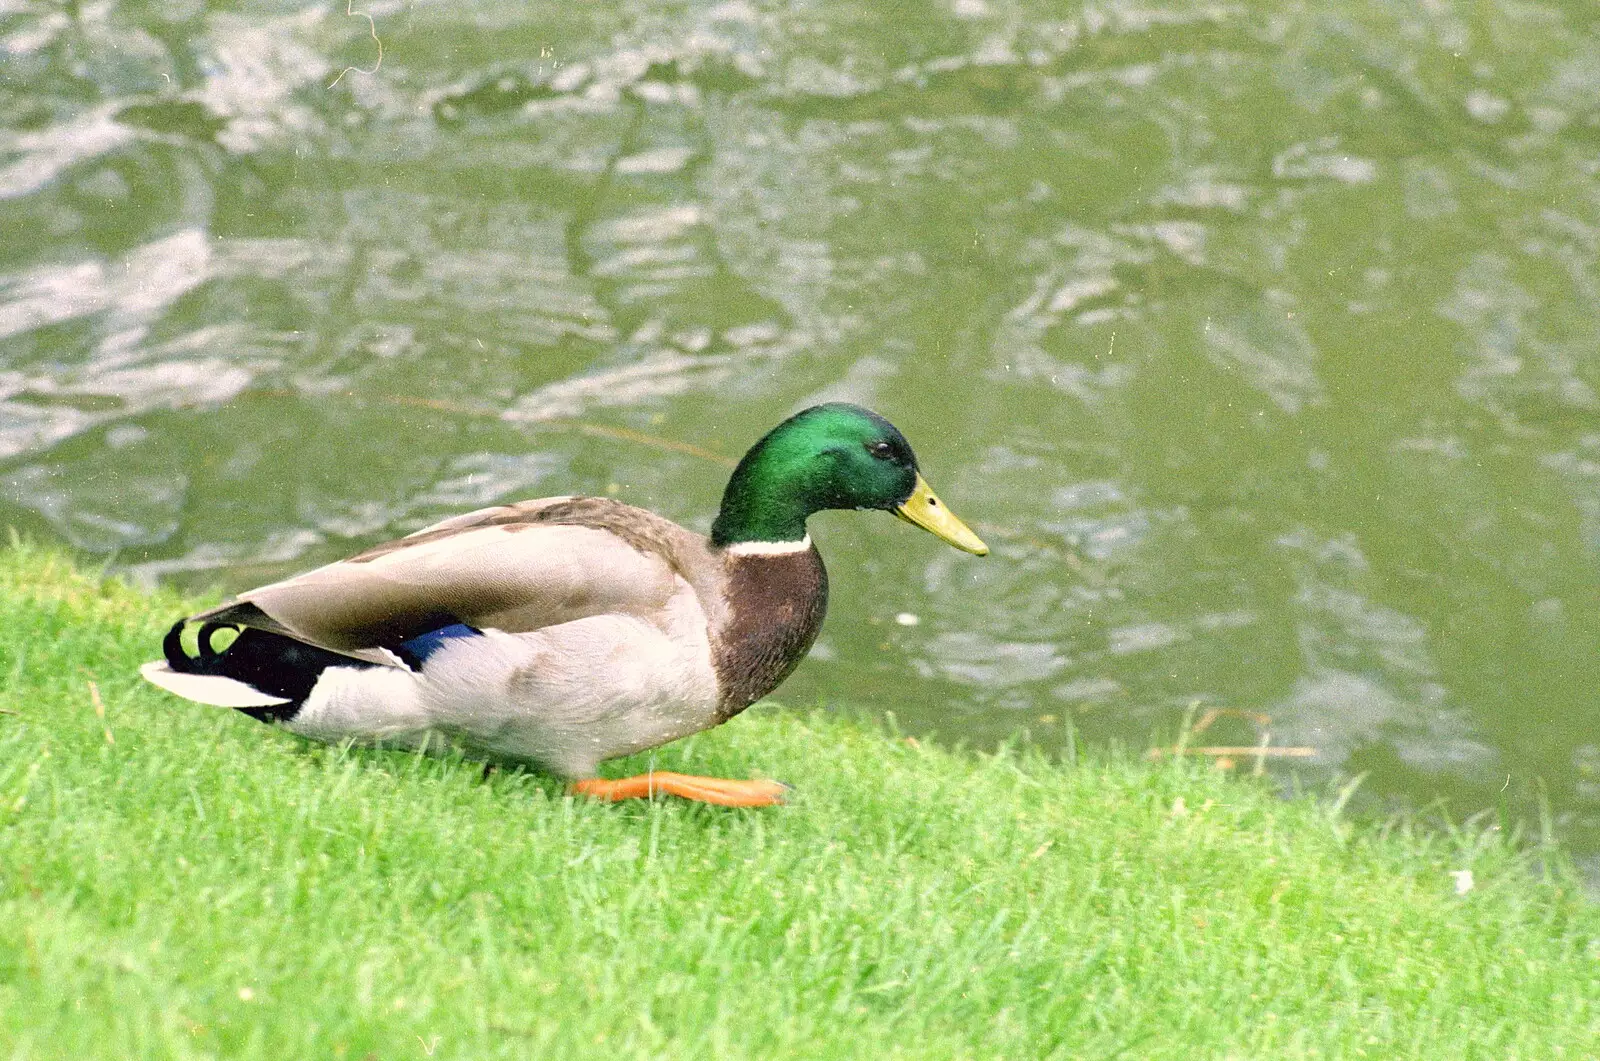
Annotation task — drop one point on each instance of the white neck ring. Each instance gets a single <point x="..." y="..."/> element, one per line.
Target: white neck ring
<point x="769" y="548"/>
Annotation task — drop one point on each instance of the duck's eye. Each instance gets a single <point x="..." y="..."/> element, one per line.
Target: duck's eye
<point x="880" y="449"/>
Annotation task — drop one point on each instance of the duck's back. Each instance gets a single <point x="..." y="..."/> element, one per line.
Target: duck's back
<point x="515" y="568"/>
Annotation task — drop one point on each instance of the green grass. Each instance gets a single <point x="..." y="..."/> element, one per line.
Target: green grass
<point x="178" y="881"/>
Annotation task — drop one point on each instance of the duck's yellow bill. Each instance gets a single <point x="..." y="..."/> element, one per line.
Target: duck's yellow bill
<point x="929" y="513"/>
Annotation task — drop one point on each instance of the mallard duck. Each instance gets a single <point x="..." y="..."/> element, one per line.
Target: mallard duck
<point x="567" y="630"/>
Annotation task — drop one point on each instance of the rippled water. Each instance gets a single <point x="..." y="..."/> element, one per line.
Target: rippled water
<point x="1260" y="340"/>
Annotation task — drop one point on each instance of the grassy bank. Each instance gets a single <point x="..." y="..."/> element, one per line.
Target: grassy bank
<point x="177" y="881"/>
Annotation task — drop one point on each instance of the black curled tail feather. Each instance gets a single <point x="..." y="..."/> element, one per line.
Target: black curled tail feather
<point x="267" y="662"/>
<point x="203" y="641"/>
<point x="172" y="648"/>
<point x="208" y="660"/>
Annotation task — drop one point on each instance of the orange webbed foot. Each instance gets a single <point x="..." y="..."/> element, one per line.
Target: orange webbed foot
<point x="717" y="790"/>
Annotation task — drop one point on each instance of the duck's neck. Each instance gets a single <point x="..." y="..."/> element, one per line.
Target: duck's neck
<point x="760" y="531"/>
<point x="775" y="604"/>
<point x="766" y="504"/>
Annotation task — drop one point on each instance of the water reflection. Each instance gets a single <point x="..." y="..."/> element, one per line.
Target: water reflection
<point x="1259" y="342"/>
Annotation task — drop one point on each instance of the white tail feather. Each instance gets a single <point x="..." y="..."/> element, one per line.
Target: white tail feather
<point x="207" y="688"/>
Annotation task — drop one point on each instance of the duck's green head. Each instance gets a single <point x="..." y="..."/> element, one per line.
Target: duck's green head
<point x="830" y="456"/>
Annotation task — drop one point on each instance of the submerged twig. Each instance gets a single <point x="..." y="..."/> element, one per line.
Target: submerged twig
<point x="1238" y="751"/>
<point x="1228" y="755"/>
<point x="349" y="13"/>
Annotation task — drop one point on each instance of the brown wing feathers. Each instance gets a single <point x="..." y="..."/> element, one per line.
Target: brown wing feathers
<point x="515" y="567"/>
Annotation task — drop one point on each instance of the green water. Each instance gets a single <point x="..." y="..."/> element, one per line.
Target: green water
<point x="1259" y="339"/>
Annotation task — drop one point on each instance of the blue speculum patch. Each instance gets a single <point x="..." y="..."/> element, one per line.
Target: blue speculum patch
<point x="416" y="651"/>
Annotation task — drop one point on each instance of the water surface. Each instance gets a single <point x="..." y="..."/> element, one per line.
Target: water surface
<point x="1260" y="340"/>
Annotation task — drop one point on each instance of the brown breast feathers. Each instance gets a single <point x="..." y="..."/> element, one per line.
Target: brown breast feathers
<point x="775" y="608"/>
